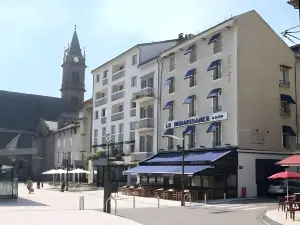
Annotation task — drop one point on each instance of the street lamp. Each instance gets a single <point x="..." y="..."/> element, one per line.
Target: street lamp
<point x="182" y="164"/>
<point x="107" y="188"/>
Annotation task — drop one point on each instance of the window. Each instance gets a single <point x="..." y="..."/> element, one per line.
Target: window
<point x="143" y="84"/>
<point x="217" y="72"/>
<point x="142" y="113"/>
<point x="172" y="63"/>
<point x="217" y="45"/>
<point x="103" y="113"/>
<point x="96" y="114"/>
<point x="100" y="95"/>
<point x="216" y="104"/>
<point x="58" y="157"/>
<point x="150" y="112"/>
<point x="286" y="140"/>
<point x="132" y="148"/>
<point x="121" y="108"/>
<point x="172" y="86"/>
<point x="193" y="79"/>
<point x="95" y="133"/>
<point x="284" y="76"/>
<point x="105" y="74"/>
<point x="103" y="131"/>
<point x="64" y="143"/>
<point x="192" y="139"/>
<point x="134" y="59"/>
<point x="133" y="125"/>
<point x="150" y="82"/>
<point x="70" y="142"/>
<point x="133" y="81"/>
<point x="121" y="68"/>
<point x="121" y="87"/>
<point x="171" y="141"/>
<point x="193" y="54"/>
<point x="58" y="143"/>
<point x="285" y="108"/>
<point x="142" y="144"/>
<point x="171" y="112"/>
<point x="217" y="136"/>
<point x="113" y="129"/>
<point x="75" y="130"/>
<point x="133" y="105"/>
<point x="192" y="107"/>
<point x="149" y="143"/>
<point x="121" y="128"/>
<point x="97" y="78"/>
<point x="75" y="77"/>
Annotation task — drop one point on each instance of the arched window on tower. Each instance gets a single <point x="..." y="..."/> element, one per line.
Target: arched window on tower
<point x="75" y="77"/>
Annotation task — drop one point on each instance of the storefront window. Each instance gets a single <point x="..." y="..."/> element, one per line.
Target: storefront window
<point x="151" y="180"/>
<point x="160" y="180"/>
<point x="207" y="181"/>
<point x="196" y="181"/>
<point x="143" y="180"/>
<point x="171" y="180"/>
<point x="231" y="181"/>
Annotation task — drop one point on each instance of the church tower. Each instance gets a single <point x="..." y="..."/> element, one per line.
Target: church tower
<point x="73" y="82"/>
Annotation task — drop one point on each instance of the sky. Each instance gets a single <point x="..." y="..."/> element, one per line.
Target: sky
<point x="34" y="33"/>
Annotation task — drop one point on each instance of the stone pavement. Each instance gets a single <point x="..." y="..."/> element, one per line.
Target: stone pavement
<point x="273" y="216"/>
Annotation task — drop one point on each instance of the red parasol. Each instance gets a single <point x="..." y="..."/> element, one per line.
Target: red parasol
<point x="290" y="161"/>
<point x="284" y="175"/>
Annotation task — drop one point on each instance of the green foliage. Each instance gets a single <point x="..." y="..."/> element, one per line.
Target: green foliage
<point x="96" y="155"/>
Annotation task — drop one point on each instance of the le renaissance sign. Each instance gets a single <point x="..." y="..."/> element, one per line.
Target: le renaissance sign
<point x="197" y="120"/>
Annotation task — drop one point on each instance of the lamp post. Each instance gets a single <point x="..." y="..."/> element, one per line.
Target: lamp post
<point x="107" y="188"/>
<point x="67" y="179"/>
<point x="182" y="164"/>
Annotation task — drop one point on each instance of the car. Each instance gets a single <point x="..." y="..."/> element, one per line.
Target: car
<point x="280" y="187"/>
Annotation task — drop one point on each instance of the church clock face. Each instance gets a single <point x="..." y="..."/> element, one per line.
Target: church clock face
<point x="76" y="59"/>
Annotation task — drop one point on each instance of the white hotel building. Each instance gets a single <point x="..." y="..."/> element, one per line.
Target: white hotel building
<point x="125" y="100"/>
<point x="229" y="90"/>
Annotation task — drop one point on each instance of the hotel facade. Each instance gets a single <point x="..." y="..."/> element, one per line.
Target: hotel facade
<point x="229" y="92"/>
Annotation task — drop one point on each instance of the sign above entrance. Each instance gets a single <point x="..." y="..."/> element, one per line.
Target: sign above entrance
<point x="197" y="120"/>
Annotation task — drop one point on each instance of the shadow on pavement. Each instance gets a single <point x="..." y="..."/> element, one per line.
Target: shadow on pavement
<point x="19" y="202"/>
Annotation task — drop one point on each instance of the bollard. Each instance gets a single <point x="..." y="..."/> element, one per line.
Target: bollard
<point x="224" y="197"/>
<point x="81" y="203"/>
<point x="133" y="201"/>
<point x="205" y="198"/>
<point x="158" y="202"/>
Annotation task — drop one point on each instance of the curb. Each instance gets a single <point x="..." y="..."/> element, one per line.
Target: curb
<point x="266" y="220"/>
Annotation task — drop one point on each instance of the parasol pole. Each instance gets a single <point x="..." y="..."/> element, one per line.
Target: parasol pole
<point x="287" y="187"/>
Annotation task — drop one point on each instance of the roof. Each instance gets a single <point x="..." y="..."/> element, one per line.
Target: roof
<point x="68" y="127"/>
<point x="52" y="125"/>
<point x="74" y="48"/>
<point x="136" y="46"/>
<point x="24" y="111"/>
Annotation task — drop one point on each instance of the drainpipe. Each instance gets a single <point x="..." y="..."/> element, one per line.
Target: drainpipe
<point x="297" y="128"/>
<point x="160" y="69"/>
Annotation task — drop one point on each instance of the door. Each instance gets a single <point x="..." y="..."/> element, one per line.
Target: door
<point x="264" y="169"/>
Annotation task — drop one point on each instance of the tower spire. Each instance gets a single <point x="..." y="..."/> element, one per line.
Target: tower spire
<point x="75" y="46"/>
<point x="75" y="28"/>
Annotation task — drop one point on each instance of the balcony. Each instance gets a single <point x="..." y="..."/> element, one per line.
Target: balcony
<point x="103" y="120"/>
<point x="284" y="83"/>
<point x="118" y="75"/>
<point x="140" y="156"/>
<point x="217" y="109"/>
<point x="105" y="81"/>
<point x="117" y="116"/>
<point x="144" y="95"/>
<point x="145" y="124"/>
<point x="132" y="112"/>
<point x="101" y="101"/>
<point x="117" y="95"/>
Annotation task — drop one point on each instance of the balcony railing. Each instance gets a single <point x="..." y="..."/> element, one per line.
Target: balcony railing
<point x="120" y="137"/>
<point x="117" y="116"/>
<point x="132" y="112"/>
<point x="103" y="120"/>
<point x="284" y="83"/>
<point x="118" y="75"/>
<point x="145" y="123"/>
<point x="117" y="95"/>
<point x="145" y="92"/>
<point x="101" y="101"/>
<point x="105" y="81"/>
<point x="217" y="109"/>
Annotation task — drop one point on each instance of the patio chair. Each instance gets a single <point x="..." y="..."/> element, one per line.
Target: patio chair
<point x="281" y="203"/>
<point x="290" y="208"/>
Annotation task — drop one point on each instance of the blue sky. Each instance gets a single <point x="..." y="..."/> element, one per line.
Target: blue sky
<point x="33" y="33"/>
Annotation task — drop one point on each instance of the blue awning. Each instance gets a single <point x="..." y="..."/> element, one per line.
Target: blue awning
<point x="189" y="74"/>
<point x="188" y="100"/>
<point x="214" y="93"/>
<point x="189" y="130"/>
<point x="214" y="38"/>
<point x="165" y="157"/>
<point x="169" y="105"/>
<point x="156" y="169"/>
<point x="213" y="126"/>
<point x="214" y="65"/>
<point x="169" y="132"/>
<point x="288" y="130"/>
<point x="206" y="156"/>
<point x="189" y="50"/>
<point x="287" y="98"/>
<point x="169" y="80"/>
